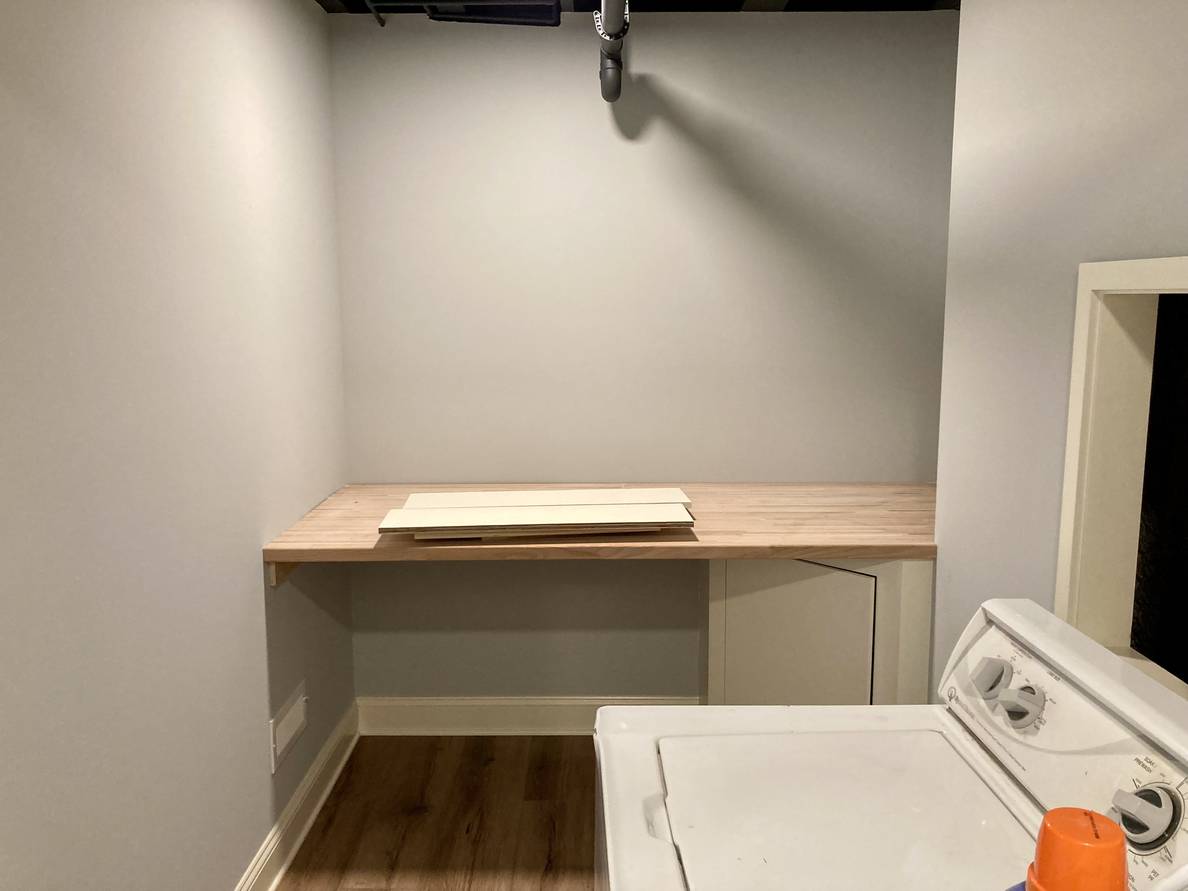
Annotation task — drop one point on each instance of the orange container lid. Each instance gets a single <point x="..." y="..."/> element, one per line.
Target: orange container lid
<point x="1078" y="850"/>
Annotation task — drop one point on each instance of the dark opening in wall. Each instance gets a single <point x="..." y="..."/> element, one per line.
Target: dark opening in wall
<point x="1160" y="601"/>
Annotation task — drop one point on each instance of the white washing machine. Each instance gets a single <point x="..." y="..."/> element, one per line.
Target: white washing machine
<point x="1034" y="715"/>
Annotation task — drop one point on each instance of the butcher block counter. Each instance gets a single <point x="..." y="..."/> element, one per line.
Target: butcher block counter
<point x="804" y="521"/>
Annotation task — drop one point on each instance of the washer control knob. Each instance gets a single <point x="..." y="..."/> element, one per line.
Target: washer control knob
<point x="1149" y="816"/>
<point x="1022" y="705"/>
<point x="991" y="676"/>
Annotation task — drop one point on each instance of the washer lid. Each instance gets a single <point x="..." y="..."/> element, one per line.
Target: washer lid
<point x="894" y="810"/>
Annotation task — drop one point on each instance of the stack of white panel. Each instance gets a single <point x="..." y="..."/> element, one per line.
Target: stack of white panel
<point x="539" y="512"/>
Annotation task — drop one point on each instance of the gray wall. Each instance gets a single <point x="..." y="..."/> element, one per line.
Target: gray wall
<point x="309" y="638"/>
<point x="539" y="629"/>
<point x="1070" y="144"/>
<point x="170" y="384"/>
<point x="734" y="273"/>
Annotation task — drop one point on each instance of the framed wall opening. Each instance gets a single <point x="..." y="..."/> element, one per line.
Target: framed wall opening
<point x="1114" y="347"/>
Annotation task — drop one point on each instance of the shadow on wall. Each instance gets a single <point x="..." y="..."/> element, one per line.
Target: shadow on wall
<point x="832" y="215"/>
<point x="630" y="627"/>
<point x="308" y="627"/>
<point x="534" y="596"/>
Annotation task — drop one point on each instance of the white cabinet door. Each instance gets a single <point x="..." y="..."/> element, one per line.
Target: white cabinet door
<point x="797" y="633"/>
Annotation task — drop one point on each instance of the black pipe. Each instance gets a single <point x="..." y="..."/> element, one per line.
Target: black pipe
<point x="614" y="14"/>
<point x="614" y="28"/>
<point x="610" y="75"/>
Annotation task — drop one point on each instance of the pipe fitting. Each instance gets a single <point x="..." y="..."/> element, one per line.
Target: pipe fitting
<point x="612" y="23"/>
<point x="610" y="76"/>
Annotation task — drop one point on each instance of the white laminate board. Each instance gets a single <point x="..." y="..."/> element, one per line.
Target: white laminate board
<point x="530" y="497"/>
<point x="435" y="519"/>
<point x="497" y="534"/>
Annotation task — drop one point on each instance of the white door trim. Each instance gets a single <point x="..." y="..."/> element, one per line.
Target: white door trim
<point x="1105" y="448"/>
<point x="714" y="677"/>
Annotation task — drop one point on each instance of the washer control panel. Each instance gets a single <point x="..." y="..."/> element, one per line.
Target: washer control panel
<point x="1067" y="750"/>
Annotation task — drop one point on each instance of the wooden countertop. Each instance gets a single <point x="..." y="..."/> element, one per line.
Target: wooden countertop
<point x="733" y="520"/>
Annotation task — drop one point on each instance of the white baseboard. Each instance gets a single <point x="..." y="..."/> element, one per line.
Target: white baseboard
<point x="294" y="822"/>
<point x="482" y="715"/>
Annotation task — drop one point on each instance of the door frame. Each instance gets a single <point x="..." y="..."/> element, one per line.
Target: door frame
<point x="1106" y="443"/>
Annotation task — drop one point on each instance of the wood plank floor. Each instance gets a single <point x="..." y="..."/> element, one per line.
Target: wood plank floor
<point x="465" y="813"/>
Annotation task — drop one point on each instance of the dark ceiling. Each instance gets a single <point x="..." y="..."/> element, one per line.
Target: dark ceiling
<point x="548" y="12"/>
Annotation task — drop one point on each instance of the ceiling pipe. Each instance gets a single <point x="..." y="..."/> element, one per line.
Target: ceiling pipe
<point x="371" y="8"/>
<point x="612" y="24"/>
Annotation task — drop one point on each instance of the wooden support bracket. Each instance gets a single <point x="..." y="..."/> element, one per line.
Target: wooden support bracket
<point x="278" y="572"/>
